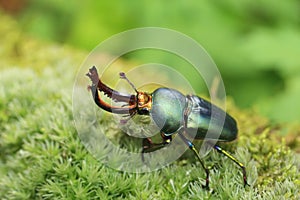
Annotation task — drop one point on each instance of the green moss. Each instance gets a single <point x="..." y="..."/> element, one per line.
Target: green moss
<point x="41" y="156"/>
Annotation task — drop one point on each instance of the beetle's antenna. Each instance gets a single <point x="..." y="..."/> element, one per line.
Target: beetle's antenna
<point x="123" y="76"/>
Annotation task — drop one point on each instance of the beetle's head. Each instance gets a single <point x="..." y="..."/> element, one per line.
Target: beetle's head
<point x="144" y="103"/>
<point x="140" y="103"/>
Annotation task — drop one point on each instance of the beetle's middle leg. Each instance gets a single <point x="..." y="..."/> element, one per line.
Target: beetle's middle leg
<point x="192" y="146"/>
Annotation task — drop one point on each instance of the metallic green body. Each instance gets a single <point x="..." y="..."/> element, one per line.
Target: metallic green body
<point x="169" y="107"/>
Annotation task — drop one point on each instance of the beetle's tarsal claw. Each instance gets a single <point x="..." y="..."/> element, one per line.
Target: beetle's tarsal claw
<point x="245" y="177"/>
<point x="246" y="183"/>
<point x="205" y="187"/>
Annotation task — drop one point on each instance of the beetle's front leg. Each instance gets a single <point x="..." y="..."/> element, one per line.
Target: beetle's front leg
<point x="149" y="146"/>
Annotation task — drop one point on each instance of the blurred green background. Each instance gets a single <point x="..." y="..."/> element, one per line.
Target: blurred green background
<point x="255" y="44"/>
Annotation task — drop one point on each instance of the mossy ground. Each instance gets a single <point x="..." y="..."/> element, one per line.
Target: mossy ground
<point x="41" y="156"/>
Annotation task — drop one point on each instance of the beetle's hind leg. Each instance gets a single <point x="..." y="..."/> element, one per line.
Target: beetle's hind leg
<point x="222" y="151"/>
<point x="149" y="146"/>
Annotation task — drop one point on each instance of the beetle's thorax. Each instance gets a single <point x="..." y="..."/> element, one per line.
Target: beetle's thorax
<point x="167" y="109"/>
<point x="144" y="101"/>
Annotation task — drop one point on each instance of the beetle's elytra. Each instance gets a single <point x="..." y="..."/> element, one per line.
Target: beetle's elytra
<point x="173" y="113"/>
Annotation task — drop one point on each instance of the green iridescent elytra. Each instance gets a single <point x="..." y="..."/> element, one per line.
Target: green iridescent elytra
<point x="169" y="106"/>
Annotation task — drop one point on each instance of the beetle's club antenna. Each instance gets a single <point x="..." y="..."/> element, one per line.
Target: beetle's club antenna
<point x="144" y="100"/>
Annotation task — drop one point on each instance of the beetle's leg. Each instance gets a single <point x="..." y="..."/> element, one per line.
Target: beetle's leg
<point x="149" y="146"/>
<point x="220" y="150"/>
<point x="192" y="147"/>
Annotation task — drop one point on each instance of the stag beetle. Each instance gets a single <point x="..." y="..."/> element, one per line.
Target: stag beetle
<point x="173" y="113"/>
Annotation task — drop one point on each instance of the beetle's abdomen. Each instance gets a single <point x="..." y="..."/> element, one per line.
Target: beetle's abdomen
<point x="167" y="108"/>
<point x="202" y="113"/>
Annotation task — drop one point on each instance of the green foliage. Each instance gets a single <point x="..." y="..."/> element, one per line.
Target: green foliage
<point x="41" y="156"/>
<point x="254" y="43"/>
